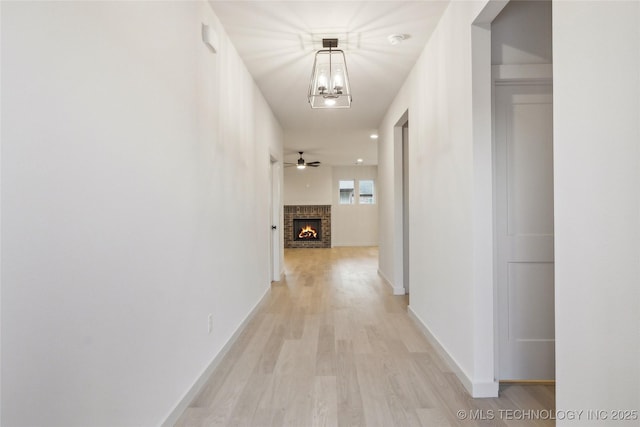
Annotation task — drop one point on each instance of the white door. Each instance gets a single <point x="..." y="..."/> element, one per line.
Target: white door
<point x="524" y="231"/>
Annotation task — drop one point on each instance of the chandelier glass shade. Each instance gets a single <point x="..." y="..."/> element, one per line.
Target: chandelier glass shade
<point x="329" y="86"/>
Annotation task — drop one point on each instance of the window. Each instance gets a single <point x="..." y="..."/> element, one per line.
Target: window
<point x="366" y="188"/>
<point x="347" y="192"/>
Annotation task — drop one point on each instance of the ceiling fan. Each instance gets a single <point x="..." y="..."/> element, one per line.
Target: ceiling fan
<point x="301" y="164"/>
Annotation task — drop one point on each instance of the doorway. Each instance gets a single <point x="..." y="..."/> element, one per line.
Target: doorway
<point x="275" y="208"/>
<point x="523" y="143"/>
<point x="405" y="206"/>
<point x="521" y="54"/>
<point x="401" y="162"/>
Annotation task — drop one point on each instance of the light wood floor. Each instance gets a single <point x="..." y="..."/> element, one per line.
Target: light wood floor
<point x="331" y="346"/>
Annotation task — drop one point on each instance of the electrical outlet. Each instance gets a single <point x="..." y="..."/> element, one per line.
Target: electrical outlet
<point x="210" y="322"/>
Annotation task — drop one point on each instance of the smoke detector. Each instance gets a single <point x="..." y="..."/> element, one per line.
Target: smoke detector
<point x="395" y="39"/>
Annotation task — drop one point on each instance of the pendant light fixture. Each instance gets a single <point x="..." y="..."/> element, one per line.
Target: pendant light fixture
<point x="329" y="86"/>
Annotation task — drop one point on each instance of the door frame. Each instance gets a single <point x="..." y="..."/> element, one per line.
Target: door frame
<point x="276" y="254"/>
<point x="398" y="191"/>
<point x="484" y="383"/>
<point x="406" y="233"/>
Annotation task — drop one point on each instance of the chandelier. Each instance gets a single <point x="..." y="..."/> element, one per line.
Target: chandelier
<point x="329" y="85"/>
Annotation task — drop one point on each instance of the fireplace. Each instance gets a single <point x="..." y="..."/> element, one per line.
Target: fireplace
<point x="307" y="226"/>
<point x="307" y="229"/>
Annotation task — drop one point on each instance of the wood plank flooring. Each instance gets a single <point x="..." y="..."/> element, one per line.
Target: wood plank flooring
<point x="331" y="346"/>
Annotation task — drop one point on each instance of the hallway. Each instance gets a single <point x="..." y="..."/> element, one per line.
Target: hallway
<point x="331" y="345"/>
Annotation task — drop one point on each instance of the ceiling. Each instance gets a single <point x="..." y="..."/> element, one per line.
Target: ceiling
<point x="277" y="41"/>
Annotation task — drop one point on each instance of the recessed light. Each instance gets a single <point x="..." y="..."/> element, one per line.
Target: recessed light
<point x="373" y="136"/>
<point x="360" y="160"/>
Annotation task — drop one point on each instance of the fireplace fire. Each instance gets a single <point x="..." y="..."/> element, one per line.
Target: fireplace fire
<point x="308" y="232"/>
<point x="306" y="229"/>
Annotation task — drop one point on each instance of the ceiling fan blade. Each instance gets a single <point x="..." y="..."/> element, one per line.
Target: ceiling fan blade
<point x="313" y="166"/>
<point x="313" y="163"/>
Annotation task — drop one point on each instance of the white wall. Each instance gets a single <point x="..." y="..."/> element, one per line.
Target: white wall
<point x="352" y="225"/>
<point x="596" y="56"/>
<point x="357" y="224"/>
<point x="134" y="194"/>
<point x="438" y="96"/>
<point x="596" y="47"/>
<point x="309" y="186"/>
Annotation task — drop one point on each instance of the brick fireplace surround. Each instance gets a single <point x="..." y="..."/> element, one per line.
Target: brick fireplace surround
<point x="292" y="212"/>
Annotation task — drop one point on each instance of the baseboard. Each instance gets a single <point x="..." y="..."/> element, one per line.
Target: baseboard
<point x="485" y="390"/>
<point x="280" y="277"/>
<point x="528" y="382"/>
<point x="395" y="289"/>
<point x="355" y="245"/>
<point x="475" y="389"/>
<point x="202" y="379"/>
